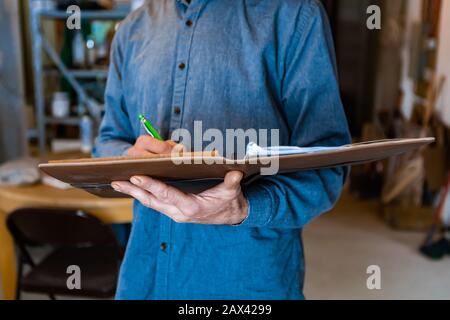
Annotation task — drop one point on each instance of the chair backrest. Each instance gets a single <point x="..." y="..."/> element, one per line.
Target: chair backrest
<point x="40" y="226"/>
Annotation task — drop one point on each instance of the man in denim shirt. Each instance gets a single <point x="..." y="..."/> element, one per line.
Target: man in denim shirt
<point x="262" y="64"/>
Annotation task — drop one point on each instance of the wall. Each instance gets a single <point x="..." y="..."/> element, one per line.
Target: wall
<point x="389" y="67"/>
<point x="412" y="18"/>
<point x="12" y="122"/>
<point x="443" y="66"/>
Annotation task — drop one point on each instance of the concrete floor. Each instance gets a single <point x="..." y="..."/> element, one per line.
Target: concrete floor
<point x="340" y="245"/>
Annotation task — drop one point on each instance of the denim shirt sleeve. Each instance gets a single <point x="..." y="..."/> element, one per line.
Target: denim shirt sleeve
<point x="313" y="110"/>
<point x="115" y="133"/>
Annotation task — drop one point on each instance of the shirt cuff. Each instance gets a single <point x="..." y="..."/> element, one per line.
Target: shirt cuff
<point x="259" y="206"/>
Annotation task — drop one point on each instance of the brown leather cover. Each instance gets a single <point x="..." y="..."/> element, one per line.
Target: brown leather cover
<point x="96" y="175"/>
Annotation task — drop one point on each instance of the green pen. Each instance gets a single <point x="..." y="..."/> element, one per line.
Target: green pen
<point x="149" y="128"/>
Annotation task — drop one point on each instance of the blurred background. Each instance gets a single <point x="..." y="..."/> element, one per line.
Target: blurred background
<point x="394" y="214"/>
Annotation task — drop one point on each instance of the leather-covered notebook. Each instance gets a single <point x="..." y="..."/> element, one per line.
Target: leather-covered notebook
<point x="195" y="172"/>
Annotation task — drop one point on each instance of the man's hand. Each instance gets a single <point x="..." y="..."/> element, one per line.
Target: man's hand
<point x="223" y="204"/>
<point x="146" y="145"/>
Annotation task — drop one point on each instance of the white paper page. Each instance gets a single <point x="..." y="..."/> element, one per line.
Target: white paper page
<point x="253" y="150"/>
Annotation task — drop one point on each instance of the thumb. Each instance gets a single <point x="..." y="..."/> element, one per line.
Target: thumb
<point x="178" y="148"/>
<point x="233" y="179"/>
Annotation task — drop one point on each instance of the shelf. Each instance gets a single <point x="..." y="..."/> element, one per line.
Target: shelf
<point x="94" y="73"/>
<point x="32" y="133"/>
<point x="42" y="44"/>
<point x="116" y="14"/>
<point x="72" y="121"/>
<point x="82" y="74"/>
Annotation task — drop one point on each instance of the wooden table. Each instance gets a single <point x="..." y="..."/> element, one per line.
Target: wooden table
<point x="12" y="198"/>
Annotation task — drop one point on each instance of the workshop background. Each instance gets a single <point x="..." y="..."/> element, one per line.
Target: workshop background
<point x="393" y="219"/>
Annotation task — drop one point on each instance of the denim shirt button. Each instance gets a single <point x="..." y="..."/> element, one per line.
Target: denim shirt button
<point x="177" y="110"/>
<point x="189" y="23"/>
<point x="163" y="246"/>
<point x="181" y="66"/>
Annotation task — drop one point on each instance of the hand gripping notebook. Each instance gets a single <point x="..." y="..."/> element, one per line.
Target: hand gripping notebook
<point x="197" y="171"/>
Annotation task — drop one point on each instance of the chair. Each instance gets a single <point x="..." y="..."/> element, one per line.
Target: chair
<point x="76" y="239"/>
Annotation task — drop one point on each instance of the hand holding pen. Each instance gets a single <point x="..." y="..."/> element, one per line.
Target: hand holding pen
<point x="224" y="204"/>
<point x="152" y="143"/>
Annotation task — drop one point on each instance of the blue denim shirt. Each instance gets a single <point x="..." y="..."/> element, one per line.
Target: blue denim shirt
<point x="263" y="64"/>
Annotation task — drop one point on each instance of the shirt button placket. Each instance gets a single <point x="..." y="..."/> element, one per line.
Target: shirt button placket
<point x="183" y="49"/>
<point x="178" y="99"/>
<point x="163" y="257"/>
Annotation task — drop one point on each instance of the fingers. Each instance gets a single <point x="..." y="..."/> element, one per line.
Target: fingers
<point x="153" y="145"/>
<point x="171" y="143"/>
<point x="128" y="188"/>
<point x="167" y="200"/>
<point x="219" y="205"/>
<point x="144" y="197"/>
<point x="233" y="179"/>
<point x="161" y="191"/>
<point x="136" y="152"/>
<point x="178" y="148"/>
<point x="147" y="145"/>
<point x="229" y="188"/>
